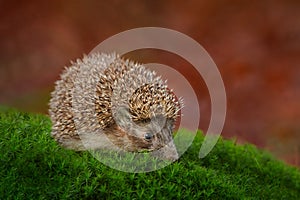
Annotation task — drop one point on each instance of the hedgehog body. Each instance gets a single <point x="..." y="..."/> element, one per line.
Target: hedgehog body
<point x="104" y="101"/>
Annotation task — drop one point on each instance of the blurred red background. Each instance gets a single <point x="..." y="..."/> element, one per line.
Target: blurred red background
<point x="255" y="44"/>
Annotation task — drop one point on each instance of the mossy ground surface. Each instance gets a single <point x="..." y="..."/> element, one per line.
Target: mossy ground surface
<point x="33" y="166"/>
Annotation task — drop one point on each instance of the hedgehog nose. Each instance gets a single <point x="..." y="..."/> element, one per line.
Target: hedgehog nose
<point x="171" y="152"/>
<point x="168" y="152"/>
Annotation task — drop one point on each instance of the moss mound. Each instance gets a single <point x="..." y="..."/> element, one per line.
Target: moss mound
<point x="33" y="166"/>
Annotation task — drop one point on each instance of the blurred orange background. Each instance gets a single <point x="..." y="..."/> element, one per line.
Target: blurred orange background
<point x="255" y="44"/>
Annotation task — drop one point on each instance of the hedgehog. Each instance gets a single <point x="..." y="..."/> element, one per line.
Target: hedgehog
<point x="103" y="101"/>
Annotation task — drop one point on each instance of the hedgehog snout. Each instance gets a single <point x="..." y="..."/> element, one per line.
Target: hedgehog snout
<point x="168" y="152"/>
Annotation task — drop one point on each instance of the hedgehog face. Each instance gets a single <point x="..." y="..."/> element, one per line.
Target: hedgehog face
<point x="153" y="134"/>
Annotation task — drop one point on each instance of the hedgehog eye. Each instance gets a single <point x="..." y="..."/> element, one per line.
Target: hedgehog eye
<point x="148" y="136"/>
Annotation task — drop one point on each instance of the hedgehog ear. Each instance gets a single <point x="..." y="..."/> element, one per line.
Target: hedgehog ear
<point x="158" y="122"/>
<point x="123" y="117"/>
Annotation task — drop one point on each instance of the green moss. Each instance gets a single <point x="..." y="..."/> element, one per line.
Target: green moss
<point x="33" y="166"/>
